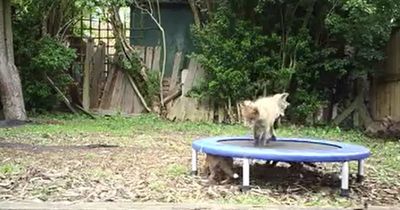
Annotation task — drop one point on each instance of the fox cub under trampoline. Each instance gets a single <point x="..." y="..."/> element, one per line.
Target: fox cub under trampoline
<point x="219" y="168"/>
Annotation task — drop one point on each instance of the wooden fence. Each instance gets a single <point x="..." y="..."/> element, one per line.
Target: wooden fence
<point x="385" y="87"/>
<point x="107" y="90"/>
<point x="111" y="91"/>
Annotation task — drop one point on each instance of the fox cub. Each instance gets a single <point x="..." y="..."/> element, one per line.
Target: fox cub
<point x="262" y="113"/>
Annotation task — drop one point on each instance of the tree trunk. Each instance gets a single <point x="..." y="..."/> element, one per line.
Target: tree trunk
<point x="195" y="12"/>
<point x="10" y="82"/>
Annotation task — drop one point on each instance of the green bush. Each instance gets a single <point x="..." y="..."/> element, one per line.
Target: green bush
<point x="52" y="57"/>
<point x="47" y="57"/>
<point x="237" y="58"/>
<point x="40" y="52"/>
<point x="312" y="49"/>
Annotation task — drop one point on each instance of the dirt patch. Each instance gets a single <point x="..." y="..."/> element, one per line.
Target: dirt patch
<point x="13" y="123"/>
<point x="45" y="148"/>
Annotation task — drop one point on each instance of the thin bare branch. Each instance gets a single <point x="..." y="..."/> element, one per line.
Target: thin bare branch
<point x="65" y="99"/>
<point x="158" y="23"/>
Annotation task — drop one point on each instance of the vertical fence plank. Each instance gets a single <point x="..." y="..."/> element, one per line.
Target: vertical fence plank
<point x="178" y="62"/>
<point x="156" y="59"/>
<point x="86" y="73"/>
<point x="149" y="57"/>
<point x="385" y="90"/>
<point x="97" y="76"/>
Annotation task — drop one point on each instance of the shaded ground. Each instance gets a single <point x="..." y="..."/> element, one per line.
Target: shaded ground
<point x="24" y="205"/>
<point x="152" y="160"/>
<point x="42" y="148"/>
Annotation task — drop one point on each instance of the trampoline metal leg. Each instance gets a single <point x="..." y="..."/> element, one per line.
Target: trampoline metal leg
<point x="345" y="180"/>
<point x="360" y="173"/>
<point x="246" y="175"/>
<point x="194" y="162"/>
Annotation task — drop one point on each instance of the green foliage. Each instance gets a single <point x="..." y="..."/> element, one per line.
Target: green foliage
<point x="364" y="27"/>
<point x="237" y="57"/>
<point x="52" y="56"/>
<point x="312" y="49"/>
<point x="41" y="27"/>
<point x="152" y="86"/>
<point x="38" y="55"/>
<point x="132" y="66"/>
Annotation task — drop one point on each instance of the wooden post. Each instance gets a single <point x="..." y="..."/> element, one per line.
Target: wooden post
<point x="86" y="74"/>
<point x="175" y="71"/>
<point x="149" y="57"/>
<point x="156" y="59"/>
<point x="97" y="76"/>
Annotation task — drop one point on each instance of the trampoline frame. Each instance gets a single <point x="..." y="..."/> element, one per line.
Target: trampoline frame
<point x="200" y="146"/>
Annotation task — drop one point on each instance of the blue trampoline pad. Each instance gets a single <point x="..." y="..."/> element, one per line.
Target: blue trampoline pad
<point x="284" y="149"/>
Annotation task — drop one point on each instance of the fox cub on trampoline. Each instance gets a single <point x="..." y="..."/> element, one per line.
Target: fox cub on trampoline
<point x="219" y="168"/>
<point x="262" y="113"/>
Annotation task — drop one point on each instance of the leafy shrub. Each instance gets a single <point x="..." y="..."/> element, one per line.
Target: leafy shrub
<point x="52" y="56"/>
<point x="237" y="58"/>
<point x="312" y="49"/>
<point x="47" y="57"/>
<point x="39" y="50"/>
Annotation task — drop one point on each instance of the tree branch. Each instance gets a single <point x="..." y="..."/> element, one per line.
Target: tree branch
<point x="195" y="12"/>
<point x="65" y="99"/>
<point x="175" y="94"/>
<point x="135" y="88"/>
<point x="151" y="14"/>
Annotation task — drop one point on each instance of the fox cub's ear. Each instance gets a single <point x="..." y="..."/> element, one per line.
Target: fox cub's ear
<point x="281" y="96"/>
<point x="284" y="96"/>
<point x="281" y="102"/>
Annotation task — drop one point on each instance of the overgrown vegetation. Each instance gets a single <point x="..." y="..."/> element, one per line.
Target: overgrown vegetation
<point x="41" y="34"/>
<point x="48" y="58"/>
<point x="40" y="50"/>
<point x="315" y="50"/>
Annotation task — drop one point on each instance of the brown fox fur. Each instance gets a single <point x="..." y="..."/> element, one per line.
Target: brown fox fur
<point x="217" y="167"/>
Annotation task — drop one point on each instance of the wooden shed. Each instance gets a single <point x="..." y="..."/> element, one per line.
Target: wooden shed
<point x="176" y="18"/>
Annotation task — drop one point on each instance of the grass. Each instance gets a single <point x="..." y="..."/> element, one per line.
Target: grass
<point x="176" y="170"/>
<point x="9" y="168"/>
<point x="154" y="160"/>
<point x="118" y="125"/>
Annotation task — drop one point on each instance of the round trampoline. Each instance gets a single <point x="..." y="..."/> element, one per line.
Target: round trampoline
<point x="283" y="149"/>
